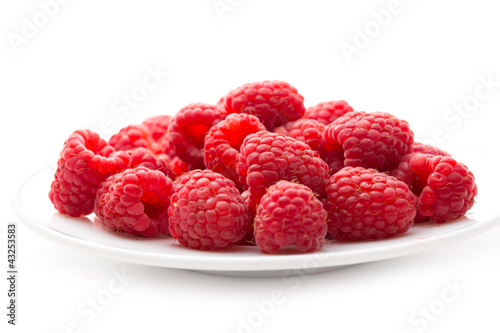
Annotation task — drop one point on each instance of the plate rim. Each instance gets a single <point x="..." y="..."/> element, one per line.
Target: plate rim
<point x="262" y="263"/>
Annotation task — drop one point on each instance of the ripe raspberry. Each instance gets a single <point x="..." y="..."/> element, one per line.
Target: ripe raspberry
<point x="157" y="125"/>
<point x="165" y="146"/>
<point x="187" y="130"/>
<point x="366" y="204"/>
<point x="223" y="141"/>
<point x="290" y="214"/>
<point x="144" y="157"/>
<point x="133" y="136"/>
<point x="305" y="130"/>
<point x="445" y="188"/>
<point x="269" y="157"/>
<point x="428" y="149"/>
<point x="334" y="158"/>
<point x="207" y="211"/>
<point x="249" y="238"/>
<point x="371" y="140"/>
<point x="245" y="195"/>
<point x="84" y="162"/>
<point x="327" y="112"/>
<point x="274" y="102"/>
<point x="135" y="201"/>
<point x="180" y="167"/>
<point x="405" y="174"/>
<point x="220" y="103"/>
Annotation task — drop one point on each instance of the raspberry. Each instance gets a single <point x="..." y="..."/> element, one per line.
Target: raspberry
<point x="220" y="103"/>
<point x="274" y="102"/>
<point x="305" y="130"/>
<point x="133" y="136"/>
<point x="327" y="112"/>
<point x="404" y="173"/>
<point x="164" y="145"/>
<point x="223" y="141"/>
<point x="334" y="158"/>
<point x="207" y="211"/>
<point x="428" y="149"/>
<point x="85" y="161"/>
<point x="187" y="130"/>
<point x="249" y="238"/>
<point x="445" y="188"/>
<point x="135" y="201"/>
<point x="180" y="167"/>
<point x="290" y="214"/>
<point x="245" y="195"/>
<point x="144" y="157"/>
<point x="269" y="157"/>
<point x="365" y="204"/>
<point x="371" y="140"/>
<point x="157" y="125"/>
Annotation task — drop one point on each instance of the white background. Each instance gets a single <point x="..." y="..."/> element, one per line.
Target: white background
<point x="417" y="63"/>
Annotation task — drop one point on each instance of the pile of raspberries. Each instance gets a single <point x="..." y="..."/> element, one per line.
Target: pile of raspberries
<point x="259" y="168"/>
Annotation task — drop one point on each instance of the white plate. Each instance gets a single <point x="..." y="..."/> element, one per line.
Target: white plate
<point x="32" y="205"/>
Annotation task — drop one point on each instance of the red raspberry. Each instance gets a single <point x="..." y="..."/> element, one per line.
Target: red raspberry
<point x="177" y="165"/>
<point x="334" y="158"/>
<point x="249" y="238"/>
<point x="207" y="211"/>
<point x="290" y="214"/>
<point x="133" y="136"/>
<point x="165" y="146"/>
<point x="366" y="204"/>
<point x="135" y="201"/>
<point x="85" y="161"/>
<point x="327" y="112"/>
<point x="269" y="157"/>
<point x="428" y="149"/>
<point x="144" y="157"/>
<point x="305" y="130"/>
<point x="274" y="102"/>
<point x="404" y="173"/>
<point x="371" y="140"/>
<point x="157" y="125"/>
<point x="223" y="141"/>
<point x="180" y="167"/>
<point x="187" y="130"/>
<point x="445" y="187"/>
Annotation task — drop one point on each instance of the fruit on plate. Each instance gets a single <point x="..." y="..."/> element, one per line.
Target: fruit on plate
<point x="290" y="214"/>
<point x="207" y="211"/>
<point x="258" y="168"/>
